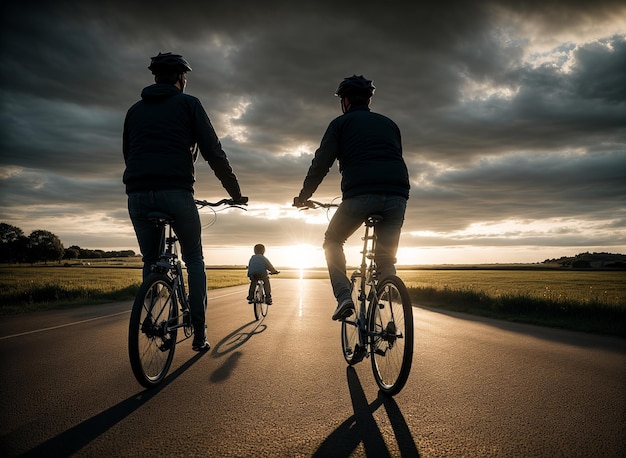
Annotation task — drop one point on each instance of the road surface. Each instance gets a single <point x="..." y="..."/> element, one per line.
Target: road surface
<point x="280" y="387"/>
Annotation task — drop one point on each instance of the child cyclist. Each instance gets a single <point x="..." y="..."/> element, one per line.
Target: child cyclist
<point x="258" y="267"/>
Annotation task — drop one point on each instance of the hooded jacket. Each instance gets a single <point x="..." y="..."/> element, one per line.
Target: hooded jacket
<point x="368" y="147"/>
<point x="161" y="135"/>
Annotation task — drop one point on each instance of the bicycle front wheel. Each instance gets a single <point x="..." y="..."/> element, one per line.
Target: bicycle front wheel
<point x="391" y="330"/>
<point x="150" y="345"/>
<point x="260" y="307"/>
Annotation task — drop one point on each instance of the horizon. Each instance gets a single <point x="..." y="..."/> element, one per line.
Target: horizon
<point x="315" y="257"/>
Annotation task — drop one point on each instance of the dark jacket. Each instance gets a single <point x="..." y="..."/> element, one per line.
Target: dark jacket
<point x="368" y="147"/>
<point x="161" y="132"/>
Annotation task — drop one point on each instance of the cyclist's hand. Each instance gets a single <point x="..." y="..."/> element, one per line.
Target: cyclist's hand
<point x="241" y="201"/>
<point x="300" y="203"/>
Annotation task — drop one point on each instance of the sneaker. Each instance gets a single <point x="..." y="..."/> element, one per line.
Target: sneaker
<point x="250" y="300"/>
<point x="268" y="301"/>
<point x="201" y="346"/>
<point x="199" y="339"/>
<point x="343" y="310"/>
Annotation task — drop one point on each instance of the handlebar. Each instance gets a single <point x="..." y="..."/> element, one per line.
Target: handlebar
<point x="229" y="202"/>
<point x="316" y="204"/>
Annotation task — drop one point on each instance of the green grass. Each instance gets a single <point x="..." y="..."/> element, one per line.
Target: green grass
<point x="26" y="288"/>
<point x="590" y="301"/>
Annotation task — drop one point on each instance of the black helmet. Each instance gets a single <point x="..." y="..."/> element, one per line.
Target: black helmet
<point x="355" y="85"/>
<point x="168" y="63"/>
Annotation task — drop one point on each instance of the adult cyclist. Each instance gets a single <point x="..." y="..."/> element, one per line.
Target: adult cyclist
<point x="374" y="180"/>
<point x="162" y="134"/>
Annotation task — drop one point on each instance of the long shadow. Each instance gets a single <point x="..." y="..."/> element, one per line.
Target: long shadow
<point x="237" y="338"/>
<point x="569" y="337"/>
<point x="362" y="428"/>
<point x="75" y="438"/>
<point x="229" y="343"/>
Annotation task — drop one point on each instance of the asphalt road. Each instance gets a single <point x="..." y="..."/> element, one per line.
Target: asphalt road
<point x="281" y="388"/>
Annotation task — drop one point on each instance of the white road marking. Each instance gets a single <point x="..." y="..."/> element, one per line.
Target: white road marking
<point x="91" y="319"/>
<point x="62" y="325"/>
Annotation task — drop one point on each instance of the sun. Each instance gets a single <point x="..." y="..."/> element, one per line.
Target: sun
<point x="304" y="256"/>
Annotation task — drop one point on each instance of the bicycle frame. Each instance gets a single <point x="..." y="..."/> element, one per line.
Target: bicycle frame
<point x="170" y="265"/>
<point x="367" y="295"/>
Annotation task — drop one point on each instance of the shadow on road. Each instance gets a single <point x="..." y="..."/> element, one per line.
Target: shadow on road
<point x="362" y="428"/>
<point x="575" y="338"/>
<point x="72" y="440"/>
<point x="229" y="343"/>
<point x="238" y="337"/>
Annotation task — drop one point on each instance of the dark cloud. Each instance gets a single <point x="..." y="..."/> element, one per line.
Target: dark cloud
<point x="524" y="187"/>
<point x="509" y="111"/>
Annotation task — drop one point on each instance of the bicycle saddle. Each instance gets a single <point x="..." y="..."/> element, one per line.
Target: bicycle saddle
<point x="159" y="216"/>
<point x="374" y="219"/>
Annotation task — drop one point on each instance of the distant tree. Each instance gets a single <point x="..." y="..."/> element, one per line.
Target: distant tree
<point x="9" y="233"/>
<point x="12" y="243"/>
<point x="71" y="253"/>
<point x="92" y="254"/>
<point x="44" y="246"/>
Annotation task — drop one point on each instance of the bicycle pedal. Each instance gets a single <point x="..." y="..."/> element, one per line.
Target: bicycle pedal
<point x="380" y="352"/>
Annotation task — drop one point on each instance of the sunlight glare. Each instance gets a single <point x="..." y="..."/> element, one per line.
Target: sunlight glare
<point x="303" y="256"/>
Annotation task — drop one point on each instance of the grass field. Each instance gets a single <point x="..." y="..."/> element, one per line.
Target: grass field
<point x="584" y="287"/>
<point x="589" y="301"/>
<point x="586" y="300"/>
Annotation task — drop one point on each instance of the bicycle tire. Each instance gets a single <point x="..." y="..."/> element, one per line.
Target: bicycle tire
<point x="390" y="323"/>
<point x="150" y="348"/>
<point x="260" y="307"/>
<point x="351" y="349"/>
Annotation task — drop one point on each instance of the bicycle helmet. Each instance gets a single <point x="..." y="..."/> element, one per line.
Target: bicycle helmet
<point x="355" y="85"/>
<point x="168" y="63"/>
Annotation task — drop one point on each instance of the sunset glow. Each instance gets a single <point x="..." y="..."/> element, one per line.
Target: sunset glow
<point x="508" y="114"/>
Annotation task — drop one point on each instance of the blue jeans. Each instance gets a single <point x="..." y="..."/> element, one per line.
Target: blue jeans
<point x="181" y="206"/>
<point x="347" y="219"/>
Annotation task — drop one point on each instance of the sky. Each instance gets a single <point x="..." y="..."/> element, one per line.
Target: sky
<point x="513" y="119"/>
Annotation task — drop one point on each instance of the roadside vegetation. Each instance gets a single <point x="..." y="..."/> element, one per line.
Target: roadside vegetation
<point x="583" y="300"/>
<point x="41" y="287"/>
<point x="588" y="301"/>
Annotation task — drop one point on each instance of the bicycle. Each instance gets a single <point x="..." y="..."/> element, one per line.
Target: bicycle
<point x="258" y="299"/>
<point x="382" y="326"/>
<point x="161" y="307"/>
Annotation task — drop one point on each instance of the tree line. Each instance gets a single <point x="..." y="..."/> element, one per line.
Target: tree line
<point x="44" y="246"/>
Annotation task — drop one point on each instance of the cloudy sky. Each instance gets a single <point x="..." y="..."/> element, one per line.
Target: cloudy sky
<point x="513" y="116"/>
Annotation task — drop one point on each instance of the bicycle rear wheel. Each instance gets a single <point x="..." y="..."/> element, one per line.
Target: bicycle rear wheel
<point x="352" y="350"/>
<point x="150" y="346"/>
<point x="391" y="327"/>
<point x="260" y="307"/>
